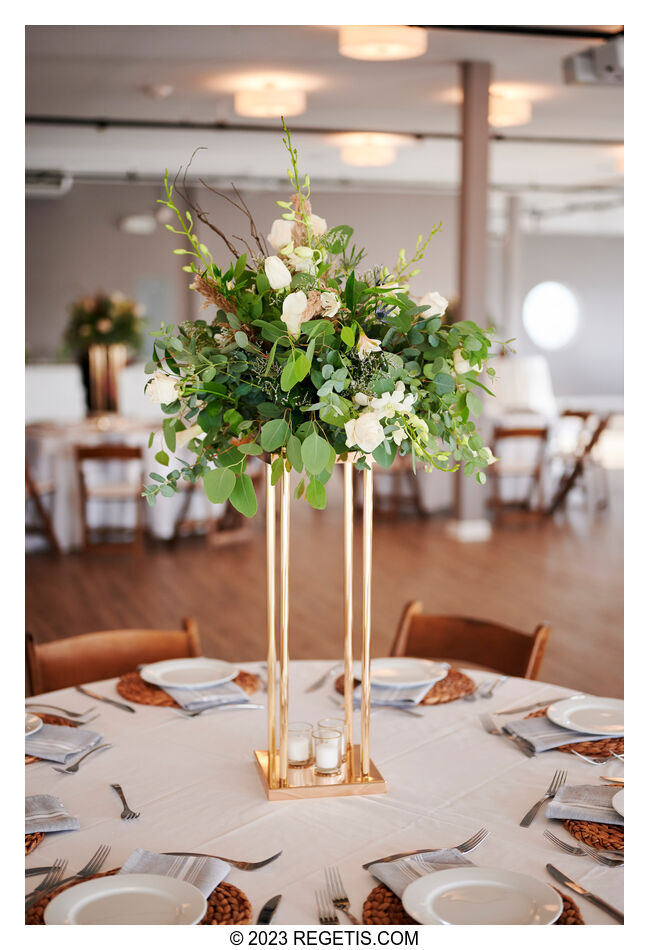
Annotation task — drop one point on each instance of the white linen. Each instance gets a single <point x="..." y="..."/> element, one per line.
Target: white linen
<point x="197" y="789"/>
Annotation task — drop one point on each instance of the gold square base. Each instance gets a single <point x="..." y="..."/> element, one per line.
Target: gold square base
<point x="305" y="783"/>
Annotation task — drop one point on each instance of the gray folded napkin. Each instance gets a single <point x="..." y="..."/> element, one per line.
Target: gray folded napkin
<point x="542" y="734"/>
<point x="201" y="698"/>
<point x="203" y="873"/>
<point x="59" y="743"/>
<point x="47" y="813"/>
<point x="397" y="695"/>
<point x="397" y="875"/>
<point x="585" y="803"/>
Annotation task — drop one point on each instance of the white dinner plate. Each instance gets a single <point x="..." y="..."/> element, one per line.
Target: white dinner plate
<point x="596" y="715"/>
<point x="481" y="896"/>
<point x="194" y="672"/>
<point x="128" y="899"/>
<point x="618" y="803"/>
<point x="32" y="724"/>
<point x="403" y="671"/>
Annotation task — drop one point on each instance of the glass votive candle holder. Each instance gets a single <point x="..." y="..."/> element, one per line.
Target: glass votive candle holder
<point x="300" y="746"/>
<point x="340" y="726"/>
<point x="327" y="750"/>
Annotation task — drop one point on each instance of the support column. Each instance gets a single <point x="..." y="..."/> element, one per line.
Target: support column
<point x="470" y="523"/>
<point x="512" y="254"/>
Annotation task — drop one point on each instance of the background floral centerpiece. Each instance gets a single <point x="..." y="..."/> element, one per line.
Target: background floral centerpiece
<point x="309" y="354"/>
<point x="104" y="319"/>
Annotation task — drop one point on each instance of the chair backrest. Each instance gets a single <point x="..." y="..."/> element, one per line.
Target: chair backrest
<point x="108" y="452"/>
<point x="479" y="642"/>
<point x="96" y="656"/>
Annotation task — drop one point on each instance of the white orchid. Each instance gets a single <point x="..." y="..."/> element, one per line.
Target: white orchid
<point x="366" y="432"/>
<point x="280" y="233"/>
<point x="361" y="399"/>
<point x="388" y="404"/>
<point x="162" y="388"/>
<point x="399" y="435"/>
<point x="293" y="311"/>
<point x="367" y="345"/>
<point x="330" y="303"/>
<point x="278" y="274"/>
<point x="490" y="457"/>
<point x="436" y="304"/>
<point x="301" y="260"/>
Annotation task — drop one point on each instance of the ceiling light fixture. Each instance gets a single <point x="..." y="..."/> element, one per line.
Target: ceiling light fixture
<point x="369" y="149"/>
<point x="269" y="102"/>
<point x="505" y="111"/>
<point x="382" y="42"/>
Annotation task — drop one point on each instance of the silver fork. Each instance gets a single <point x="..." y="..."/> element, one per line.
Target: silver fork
<point x="600" y="760"/>
<point x="465" y="847"/>
<point x="489" y="691"/>
<point x="558" y="780"/>
<point x="490" y="726"/>
<point x="322" y="679"/>
<point x="326" y="911"/>
<point x="92" y="867"/>
<point x="74" y="767"/>
<point x="611" y="859"/>
<point x="337" y="893"/>
<point x="127" y="813"/>
<point x="192" y="713"/>
<point x="49" y="882"/>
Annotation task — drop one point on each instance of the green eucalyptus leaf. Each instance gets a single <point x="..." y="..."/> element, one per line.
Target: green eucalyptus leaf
<point x="274" y="434"/>
<point x="243" y="496"/>
<point x="315" y="453"/>
<point x="316" y="494"/>
<point x="218" y="484"/>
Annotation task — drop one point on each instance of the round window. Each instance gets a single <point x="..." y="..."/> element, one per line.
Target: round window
<point x="551" y="315"/>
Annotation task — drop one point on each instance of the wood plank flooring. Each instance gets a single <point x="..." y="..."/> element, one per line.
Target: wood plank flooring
<point x="568" y="572"/>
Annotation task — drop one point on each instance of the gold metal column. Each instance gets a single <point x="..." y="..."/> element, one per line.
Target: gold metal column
<point x="367" y="623"/>
<point x="348" y="546"/>
<point x="285" y="510"/>
<point x="271" y="579"/>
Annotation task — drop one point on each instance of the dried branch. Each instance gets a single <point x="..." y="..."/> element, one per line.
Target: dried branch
<point x="198" y="211"/>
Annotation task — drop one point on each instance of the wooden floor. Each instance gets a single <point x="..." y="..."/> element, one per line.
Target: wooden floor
<point x="567" y="572"/>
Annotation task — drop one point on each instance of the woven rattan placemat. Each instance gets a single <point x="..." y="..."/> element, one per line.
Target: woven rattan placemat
<point x="131" y="686"/>
<point x="33" y="840"/>
<point x="225" y="905"/>
<point x="596" y="747"/>
<point x="51" y="721"/>
<point x="383" y="907"/>
<point x="597" y="834"/>
<point x="454" y="685"/>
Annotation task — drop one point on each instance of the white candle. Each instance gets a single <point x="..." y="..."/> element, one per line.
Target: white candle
<point x="327" y="754"/>
<point x="298" y="748"/>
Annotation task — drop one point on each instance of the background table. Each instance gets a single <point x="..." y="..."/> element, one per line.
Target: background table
<point x="195" y="783"/>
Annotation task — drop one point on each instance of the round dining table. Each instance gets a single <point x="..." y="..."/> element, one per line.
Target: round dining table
<point x="195" y="784"/>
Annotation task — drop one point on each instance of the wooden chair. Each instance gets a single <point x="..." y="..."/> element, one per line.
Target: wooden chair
<point x="127" y="491"/>
<point x="531" y="471"/>
<point x="403" y="495"/>
<point x="97" y="656"/>
<point x="479" y="643"/>
<point x="35" y="491"/>
<point x="593" y="427"/>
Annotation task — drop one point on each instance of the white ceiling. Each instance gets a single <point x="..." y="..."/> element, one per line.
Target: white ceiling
<point x="99" y="72"/>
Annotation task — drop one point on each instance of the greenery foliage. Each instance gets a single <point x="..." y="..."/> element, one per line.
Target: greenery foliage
<point x="307" y="357"/>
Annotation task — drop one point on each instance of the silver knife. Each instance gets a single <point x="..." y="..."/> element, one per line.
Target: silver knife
<point x="540" y="702"/>
<point x="403" y="709"/>
<point x="579" y="889"/>
<point x="269" y="908"/>
<point x="104" y="699"/>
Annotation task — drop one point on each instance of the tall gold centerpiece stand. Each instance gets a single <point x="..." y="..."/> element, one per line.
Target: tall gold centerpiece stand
<point x="106" y="362"/>
<point x="359" y="775"/>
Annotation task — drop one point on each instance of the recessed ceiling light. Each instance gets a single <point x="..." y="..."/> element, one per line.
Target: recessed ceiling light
<point x="504" y="111"/>
<point x="619" y="159"/>
<point x="382" y="42"/>
<point x="158" y="90"/>
<point x="269" y="102"/>
<point x="140" y="224"/>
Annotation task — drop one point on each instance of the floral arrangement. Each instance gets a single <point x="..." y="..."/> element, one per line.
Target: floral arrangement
<point x="104" y="318"/>
<point x="308" y="356"/>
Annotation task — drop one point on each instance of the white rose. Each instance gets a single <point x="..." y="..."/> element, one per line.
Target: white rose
<point x="361" y="399"/>
<point x="330" y="303"/>
<point x="104" y="325"/>
<point x="366" y="345"/>
<point x="461" y="365"/>
<point x="293" y="311"/>
<point x="277" y="272"/>
<point x="280" y="233"/>
<point x="318" y="224"/>
<point x="366" y="432"/>
<point x="162" y="388"/>
<point x="186" y="435"/>
<point x="436" y="304"/>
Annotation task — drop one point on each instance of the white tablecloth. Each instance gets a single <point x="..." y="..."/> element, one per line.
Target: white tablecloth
<point x="197" y="789"/>
<point x="50" y="452"/>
